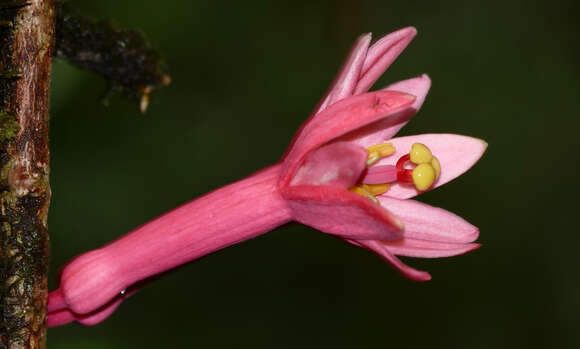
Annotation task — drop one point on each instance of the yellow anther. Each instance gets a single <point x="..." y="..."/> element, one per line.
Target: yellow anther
<point x="420" y="154"/>
<point x="377" y="189"/>
<point x="437" y="167"/>
<point x="378" y="151"/>
<point x="384" y="149"/>
<point x="360" y="190"/>
<point x="373" y="157"/>
<point x="423" y="176"/>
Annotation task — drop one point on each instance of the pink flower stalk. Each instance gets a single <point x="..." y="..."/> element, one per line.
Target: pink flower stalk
<point x="331" y="161"/>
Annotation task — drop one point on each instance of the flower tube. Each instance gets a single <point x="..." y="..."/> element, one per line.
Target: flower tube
<point x="343" y="174"/>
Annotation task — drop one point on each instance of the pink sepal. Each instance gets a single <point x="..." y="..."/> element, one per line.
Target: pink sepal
<point x="341" y="212"/>
<point x="347" y="77"/>
<point x="379" y="248"/>
<point x="430" y="223"/>
<point x="456" y="154"/>
<point x="335" y="165"/>
<point x="381" y="55"/>
<point x="338" y="119"/>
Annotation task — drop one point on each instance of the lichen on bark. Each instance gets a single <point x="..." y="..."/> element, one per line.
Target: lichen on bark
<point x="26" y="46"/>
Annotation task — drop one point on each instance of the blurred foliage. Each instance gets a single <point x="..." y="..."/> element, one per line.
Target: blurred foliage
<point x="245" y="75"/>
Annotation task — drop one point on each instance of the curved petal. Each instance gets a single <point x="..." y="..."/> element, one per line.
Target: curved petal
<point x="430" y="223"/>
<point x="382" y="130"/>
<point x="456" y="154"/>
<point x="335" y="165"/>
<point x="338" y="119"/>
<point x="410" y="247"/>
<point x="379" y="248"/>
<point x="347" y="77"/>
<point x="381" y="55"/>
<point x="341" y="212"/>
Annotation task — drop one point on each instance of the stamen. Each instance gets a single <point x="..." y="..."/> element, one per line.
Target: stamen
<point x="437" y="167"/>
<point x="384" y="149"/>
<point x="426" y="172"/>
<point x="372" y="158"/>
<point x="420" y="154"/>
<point x="423" y="176"/>
<point x="362" y="191"/>
<point x="379" y="151"/>
<point x="377" y="189"/>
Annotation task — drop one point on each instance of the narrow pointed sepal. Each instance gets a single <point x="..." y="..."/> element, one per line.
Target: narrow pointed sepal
<point x="379" y="248"/>
<point x="340" y="212"/>
<point x="347" y="77"/>
<point x="381" y="55"/>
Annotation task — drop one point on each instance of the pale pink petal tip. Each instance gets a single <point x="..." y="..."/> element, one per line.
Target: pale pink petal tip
<point x="409" y="247"/>
<point x="418" y="87"/>
<point x="430" y="223"/>
<point x="456" y="154"/>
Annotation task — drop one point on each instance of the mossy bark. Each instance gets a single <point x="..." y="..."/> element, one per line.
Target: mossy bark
<point x="26" y="50"/>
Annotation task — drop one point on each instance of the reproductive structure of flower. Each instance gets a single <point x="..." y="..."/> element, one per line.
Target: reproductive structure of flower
<point x="344" y="174"/>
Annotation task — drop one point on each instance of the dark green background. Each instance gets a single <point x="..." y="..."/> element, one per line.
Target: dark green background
<point x="245" y="75"/>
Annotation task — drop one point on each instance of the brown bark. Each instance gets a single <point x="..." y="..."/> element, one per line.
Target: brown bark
<point x="26" y="50"/>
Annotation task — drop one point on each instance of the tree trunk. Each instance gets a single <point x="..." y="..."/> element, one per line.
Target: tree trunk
<point x="26" y="50"/>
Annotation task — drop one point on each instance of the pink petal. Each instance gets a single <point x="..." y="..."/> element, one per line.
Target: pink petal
<point x="427" y="249"/>
<point x="380" y="56"/>
<point x="338" y="119"/>
<point x="379" y="248"/>
<point x="348" y="75"/>
<point x="430" y="223"/>
<point x="341" y="212"/>
<point x="456" y="155"/>
<point x="336" y="165"/>
<point x="381" y="131"/>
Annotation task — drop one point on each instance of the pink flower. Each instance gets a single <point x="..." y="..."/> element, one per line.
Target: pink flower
<point x="338" y="154"/>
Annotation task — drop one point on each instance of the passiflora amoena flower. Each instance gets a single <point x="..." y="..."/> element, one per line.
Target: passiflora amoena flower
<point x="343" y="174"/>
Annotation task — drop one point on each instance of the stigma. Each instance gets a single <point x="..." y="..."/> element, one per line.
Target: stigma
<point x="419" y="168"/>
